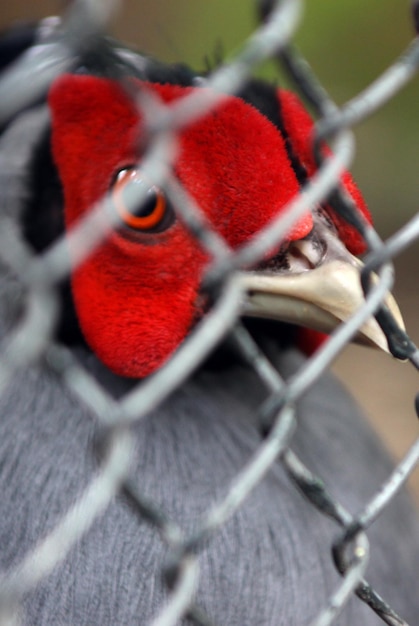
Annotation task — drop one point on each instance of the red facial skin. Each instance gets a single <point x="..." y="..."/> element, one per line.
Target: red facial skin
<point x="137" y="296"/>
<point x="299" y="126"/>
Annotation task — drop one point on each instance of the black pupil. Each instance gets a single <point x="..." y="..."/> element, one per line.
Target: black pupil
<point x="148" y="206"/>
<point x="130" y="193"/>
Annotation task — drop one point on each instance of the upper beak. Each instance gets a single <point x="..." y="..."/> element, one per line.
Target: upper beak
<point x="319" y="297"/>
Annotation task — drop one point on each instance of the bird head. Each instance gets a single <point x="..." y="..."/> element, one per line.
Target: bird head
<point x="139" y="293"/>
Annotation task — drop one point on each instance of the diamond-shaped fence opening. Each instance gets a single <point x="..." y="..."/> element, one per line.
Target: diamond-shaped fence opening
<point x="101" y="524"/>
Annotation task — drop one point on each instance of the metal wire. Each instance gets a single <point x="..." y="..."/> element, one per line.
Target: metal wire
<point x="32" y="342"/>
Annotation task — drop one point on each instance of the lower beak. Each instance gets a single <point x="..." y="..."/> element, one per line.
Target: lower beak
<point x="319" y="298"/>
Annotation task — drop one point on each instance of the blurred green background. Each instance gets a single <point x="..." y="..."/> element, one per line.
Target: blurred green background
<point x="348" y="43"/>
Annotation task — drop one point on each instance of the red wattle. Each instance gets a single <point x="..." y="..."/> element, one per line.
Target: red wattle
<point x="137" y="298"/>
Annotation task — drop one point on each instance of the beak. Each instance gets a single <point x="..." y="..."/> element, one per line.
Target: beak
<point x="319" y="288"/>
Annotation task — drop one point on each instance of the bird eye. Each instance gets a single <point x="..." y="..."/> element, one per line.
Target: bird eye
<point x="154" y="214"/>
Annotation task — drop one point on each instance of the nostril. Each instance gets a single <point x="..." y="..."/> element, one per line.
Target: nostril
<point x="305" y="254"/>
<point x="311" y="252"/>
<point x="297" y="261"/>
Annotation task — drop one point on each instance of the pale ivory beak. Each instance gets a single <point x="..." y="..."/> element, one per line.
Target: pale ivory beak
<point x="318" y="298"/>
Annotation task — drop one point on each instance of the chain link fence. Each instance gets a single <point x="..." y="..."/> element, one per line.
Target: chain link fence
<point x="31" y="300"/>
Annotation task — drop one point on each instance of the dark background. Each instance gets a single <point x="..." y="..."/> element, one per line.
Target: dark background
<point x="348" y="43"/>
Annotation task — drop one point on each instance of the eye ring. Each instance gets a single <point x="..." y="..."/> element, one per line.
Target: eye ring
<point x="150" y="216"/>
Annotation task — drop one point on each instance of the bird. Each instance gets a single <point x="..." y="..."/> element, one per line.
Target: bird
<point x="126" y="310"/>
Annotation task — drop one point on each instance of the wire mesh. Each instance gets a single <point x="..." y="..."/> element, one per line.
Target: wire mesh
<point x="31" y="343"/>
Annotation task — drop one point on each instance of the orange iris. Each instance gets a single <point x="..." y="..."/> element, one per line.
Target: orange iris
<point x="150" y="213"/>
